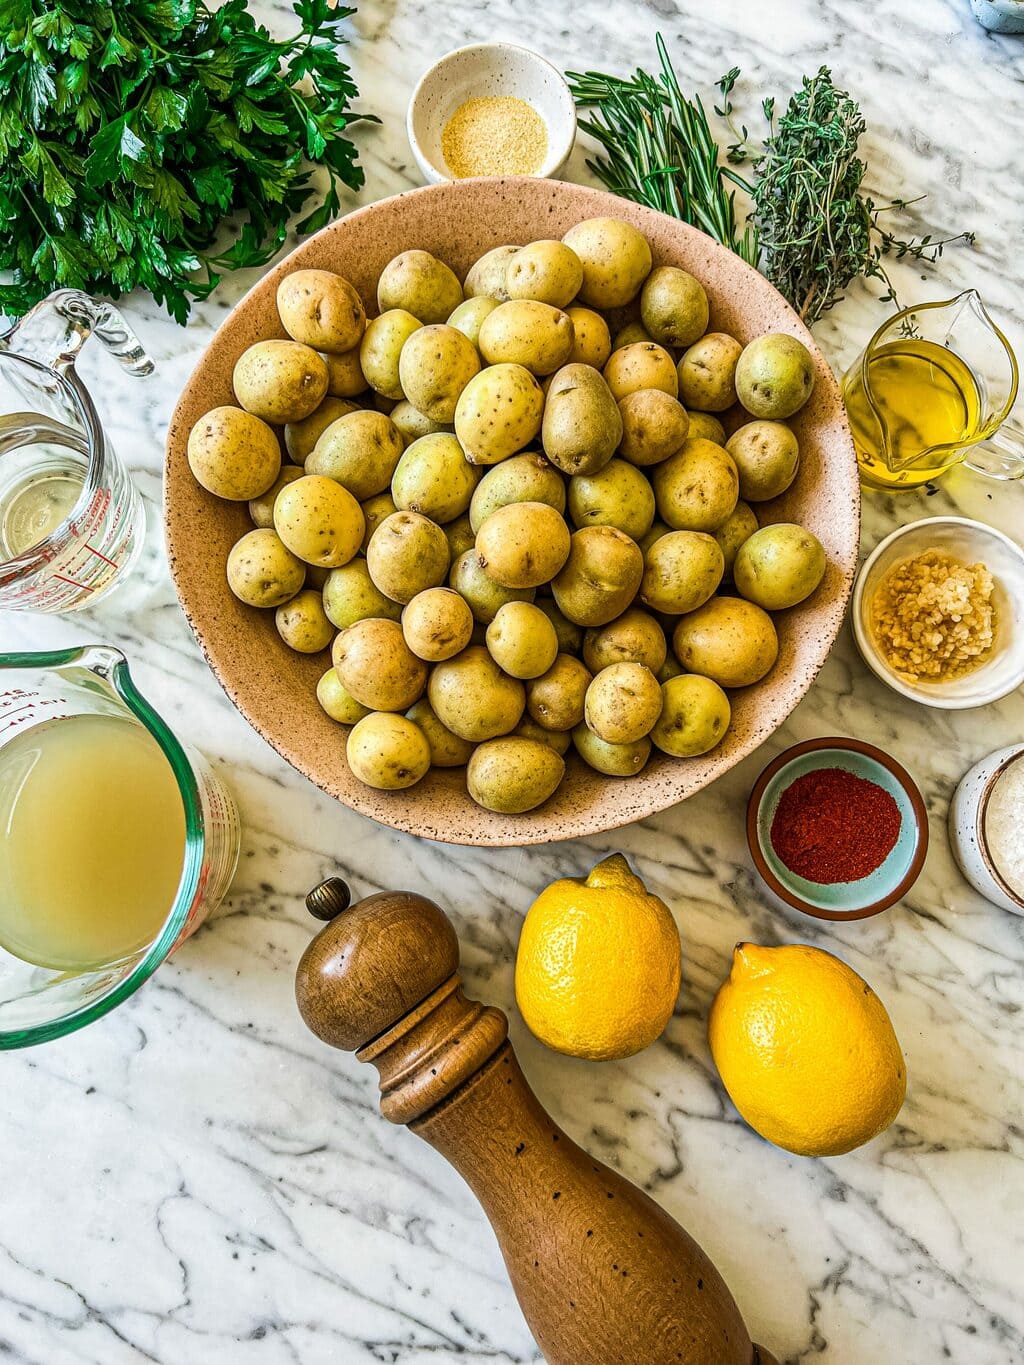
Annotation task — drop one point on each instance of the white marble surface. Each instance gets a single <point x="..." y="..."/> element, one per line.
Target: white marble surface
<point x="196" y="1179"/>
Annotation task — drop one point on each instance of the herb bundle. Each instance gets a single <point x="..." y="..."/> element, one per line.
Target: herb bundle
<point x="161" y="142"/>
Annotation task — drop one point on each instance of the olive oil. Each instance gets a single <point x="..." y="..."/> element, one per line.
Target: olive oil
<point x="92" y="841"/>
<point x="929" y="403"/>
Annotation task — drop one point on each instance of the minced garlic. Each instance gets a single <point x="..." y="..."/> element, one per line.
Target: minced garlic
<point x="494" y="135"/>
<point x="933" y="617"/>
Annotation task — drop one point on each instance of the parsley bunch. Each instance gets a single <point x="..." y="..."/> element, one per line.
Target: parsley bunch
<point x="157" y="143"/>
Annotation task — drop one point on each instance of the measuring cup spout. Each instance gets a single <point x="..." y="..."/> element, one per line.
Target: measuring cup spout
<point x="54" y="331"/>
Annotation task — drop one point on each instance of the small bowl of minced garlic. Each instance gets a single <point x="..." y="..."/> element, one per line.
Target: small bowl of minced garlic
<point x="491" y="109"/>
<point x="938" y="612"/>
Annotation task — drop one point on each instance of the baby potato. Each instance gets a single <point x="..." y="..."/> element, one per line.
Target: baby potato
<point x="322" y="310"/>
<point x="570" y="635"/>
<point x="473" y="698"/>
<point x="622" y="703"/>
<point x="412" y="424"/>
<point x="559" y="740"/>
<point x="767" y="456"/>
<point x="707" y="372"/>
<point x="707" y="427"/>
<point x="591" y="342"/>
<point x="654" y="426"/>
<point x="523" y="545"/>
<point x="533" y="335"/>
<point x="262" y="571"/>
<point x="600" y="578"/>
<point x="729" y="640"/>
<point x="460" y="536"/>
<point x="447" y="750"/>
<point x="360" y="451"/>
<point x="434" y="478"/>
<point x="435" y="365"/>
<point x="302" y="622"/>
<point x="421" y="284"/>
<point x="556" y="699"/>
<point x="484" y="594"/>
<point x="381" y="348"/>
<point x="681" y="571"/>
<point x="774" y="376"/>
<point x="512" y="775"/>
<point x="656" y="532"/>
<point x="630" y="335"/>
<point x="523" y="478"/>
<point x="616" y="260"/>
<point x="301" y="437"/>
<point x="280" y="381"/>
<point x="635" y="637"/>
<point x="437" y="624"/>
<point x="544" y="272"/>
<point x="377" y="667"/>
<point x="375" y="510"/>
<point x="674" y="307"/>
<point x="350" y="595"/>
<point x="498" y="413"/>
<point x="388" y="752"/>
<point x="233" y="454"/>
<point x="732" y="533"/>
<point x="779" y="566"/>
<point x="522" y="640"/>
<point x="488" y="277"/>
<point x="336" y="701"/>
<point x="644" y="365"/>
<point x="671" y="668"/>
<point x="319" y="521"/>
<point x="581" y="424"/>
<point x="615" y="760"/>
<point x="697" y="488"/>
<point x="261" y="509"/>
<point x="406" y="554"/>
<point x="695" y="716"/>
<point x="617" y="495"/>
<point x="345" y="378"/>
<point x="468" y="318"/>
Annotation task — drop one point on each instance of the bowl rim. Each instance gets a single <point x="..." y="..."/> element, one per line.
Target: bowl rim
<point x="981" y="834"/>
<point x="559" y="148"/>
<point x="895" y="769"/>
<point x="862" y="634"/>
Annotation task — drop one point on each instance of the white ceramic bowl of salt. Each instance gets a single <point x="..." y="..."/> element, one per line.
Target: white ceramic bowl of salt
<point x="986" y="827"/>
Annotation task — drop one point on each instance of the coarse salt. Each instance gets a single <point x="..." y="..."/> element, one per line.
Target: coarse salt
<point x="1004" y="825"/>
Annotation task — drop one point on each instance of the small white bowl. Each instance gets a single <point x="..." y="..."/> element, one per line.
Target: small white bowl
<point x="971" y="542"/>
<point x="481" y="70"/>
<point x="967" y="835"/>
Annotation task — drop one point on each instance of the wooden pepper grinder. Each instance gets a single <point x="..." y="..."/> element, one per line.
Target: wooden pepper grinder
<point x="602" y="1273"/>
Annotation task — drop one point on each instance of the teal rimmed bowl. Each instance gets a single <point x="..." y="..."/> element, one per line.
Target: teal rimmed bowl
<point x="839" y="900"/>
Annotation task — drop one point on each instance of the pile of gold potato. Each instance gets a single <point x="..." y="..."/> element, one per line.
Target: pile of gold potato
<point x="499" y="514"/>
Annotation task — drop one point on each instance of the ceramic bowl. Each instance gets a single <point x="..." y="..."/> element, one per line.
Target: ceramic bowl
<point x="971" y="542"/>
<point x="841" y="900"/>
<point x="486" y="69"/>
<point x="967" y="836"/>
<point x="274" y="687"/>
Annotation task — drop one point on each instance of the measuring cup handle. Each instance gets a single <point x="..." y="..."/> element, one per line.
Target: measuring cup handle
<point x="1002" y="455"/>
<point x="54" y="331"/>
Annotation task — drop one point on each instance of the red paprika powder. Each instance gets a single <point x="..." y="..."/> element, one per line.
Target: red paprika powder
<point x="832" y="826"/>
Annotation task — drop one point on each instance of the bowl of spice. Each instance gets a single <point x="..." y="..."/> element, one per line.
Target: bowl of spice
<point x="938" y="612"/>
<point x="491" y="109"/>
<point x="986" y="827"/>
<point x="837" y="828"/>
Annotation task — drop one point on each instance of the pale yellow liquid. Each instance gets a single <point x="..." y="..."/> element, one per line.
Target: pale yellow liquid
<point x="927" y="397"/>
<point x="36" y="509"/>
<point x="92" y="841"/>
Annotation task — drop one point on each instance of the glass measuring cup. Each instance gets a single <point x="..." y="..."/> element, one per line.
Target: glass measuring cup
<point x="71" y="521"/>
<point x="933" y="388"/>
<point x="40" y="1003"/>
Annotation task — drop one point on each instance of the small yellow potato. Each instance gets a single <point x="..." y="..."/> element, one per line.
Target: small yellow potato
<point x="697" y="488"/>
<point x="261" y="509"/>
<point x="421" y="284"/>
<point x="233" y="454"/>
<point x="319" y="521"/>
<point x="345" y="378"/>
<point x="616" y="260"/>
<point x="557" y="698"/>
<point x="434" y="478"/>
<point x="301" y="437"/>
<point x="774" y="376"/>
<point x="614" y="760"/>
<point x="498" y="413"/>
<point x="336" y="701"/>
<point x="522" y="640"/>
<point x="280" y="381"/>
<point x="654" y="426"/>
<point x="322" y="310"/>
<point x="707" y="373"/>
<point x="350" y="595"/>
<point x="262" y="571"/>
<point x="488" y="277"/>
<point x="681" y="571"/>
<point x="630" y="335"/>
<point x="412" y="424"/>
<point x="523" y="544"/>
<point x="302" y="623"/>
<point x="570" y="635"/>
<point x="437" y="624"/>
<point x="622" y="703"/>
<point x="473" y="698"/>
<point x="360" y="451"/>
<point x="381" y="349"/>
<point x="484" y="594"/>
<point x="435" y="365"/>
<point x="407" y="554"/>
<point x="644" y="365"/>
<point x="460" y="536"/>
<point x="732" y="533"/>
<point x="706" y="426"/>
<point x="635" y="637"/>
<point x="376" y="510"/>
<point x="447" y="749"/>
<point x="388" y="752"/>
<point x="656" y="532"/>
<point x="511" y="775"/>
<point x="591" y="341"/>
<point x="581" y="426"/>
<point x="546" y="272"/>
<point x="617" y="495"/>
<point x="695" y="716"/>
<point x="523" y="478"/>
<point x="671" y="668"/>
<point x="674" y="306"/>
<point x="377" y="667"/>
<point x="767" y="456"/>
<point x="729" y="640"/>
<point x="600" y="578"/>
<point x="559" y="740"/>
<point x="468" y="318"/>
<point x="779" y="566"/>
<point x="533" y="335"/>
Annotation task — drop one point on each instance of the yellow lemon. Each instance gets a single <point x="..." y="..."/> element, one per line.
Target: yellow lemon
<point x="806" y="1050"/>
<point x="597" y="972"/>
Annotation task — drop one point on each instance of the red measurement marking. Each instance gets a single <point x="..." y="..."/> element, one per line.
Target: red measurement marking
<point x="100" y="555"/>
<point x="74" y="582"/>
<point x="29" y="705"/>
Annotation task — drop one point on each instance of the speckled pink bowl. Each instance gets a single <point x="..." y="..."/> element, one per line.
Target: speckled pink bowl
<point x="274" y="687"/>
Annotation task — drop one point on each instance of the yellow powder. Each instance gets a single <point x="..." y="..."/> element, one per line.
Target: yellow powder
<point x="934" y="618"/>
<point x="494" y="135"/>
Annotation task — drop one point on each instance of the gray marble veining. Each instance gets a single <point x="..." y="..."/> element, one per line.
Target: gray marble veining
<point x="197" y="1179"/>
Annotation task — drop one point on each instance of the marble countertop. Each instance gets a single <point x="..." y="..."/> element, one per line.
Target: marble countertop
<point x="197" y="1179"/>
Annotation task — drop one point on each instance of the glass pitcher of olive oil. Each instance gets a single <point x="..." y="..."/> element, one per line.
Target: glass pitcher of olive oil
<point x="933" y="388"/>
